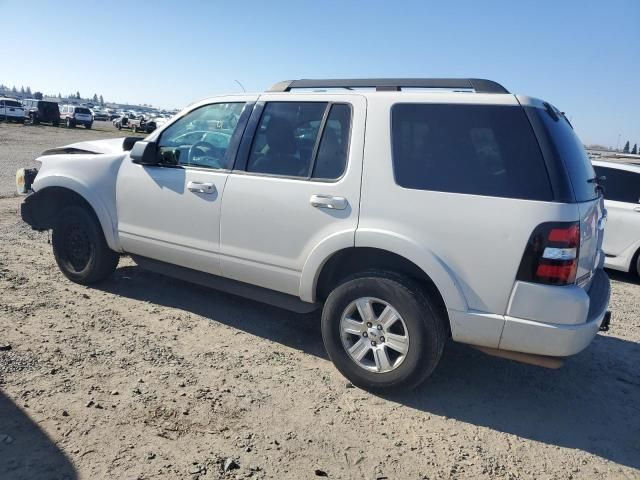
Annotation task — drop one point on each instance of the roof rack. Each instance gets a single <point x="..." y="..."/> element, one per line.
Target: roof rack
<point x="479" y="85"/>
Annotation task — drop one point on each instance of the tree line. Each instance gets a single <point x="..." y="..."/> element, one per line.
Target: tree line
<point x="26" y="92"/>
<point x="633" y="151"/>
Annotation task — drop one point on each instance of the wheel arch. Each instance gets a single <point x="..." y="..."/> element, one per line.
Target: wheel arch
<point x="49" y="200"/>
<point x="347" y="261"/>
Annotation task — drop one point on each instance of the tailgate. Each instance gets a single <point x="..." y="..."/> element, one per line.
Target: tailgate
<point x="592" y="219"/>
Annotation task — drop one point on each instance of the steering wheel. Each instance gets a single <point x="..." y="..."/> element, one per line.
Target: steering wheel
<point x="201" y="149"/>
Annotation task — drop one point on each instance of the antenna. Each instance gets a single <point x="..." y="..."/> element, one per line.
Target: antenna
<point x="241" y="86"/>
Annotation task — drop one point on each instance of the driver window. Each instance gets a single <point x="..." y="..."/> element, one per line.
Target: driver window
<point x="201" y="138"/>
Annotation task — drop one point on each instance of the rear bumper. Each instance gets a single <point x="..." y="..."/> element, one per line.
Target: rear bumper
<point x="557" y="337"/>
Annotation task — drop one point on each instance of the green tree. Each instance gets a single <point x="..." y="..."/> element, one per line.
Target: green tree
<point x="95" y="98"/>
<point x="38" y="95"/>
<point x="28" y="90"/>
<point x="626" y="147"/>
<point x="22" y="90"/>
<point x="101" y="100"/>
<point x="634" y="150"/>
<point x="78" y="97"/>
<point x="59" y="95"/>
<point x="14" y="89"/>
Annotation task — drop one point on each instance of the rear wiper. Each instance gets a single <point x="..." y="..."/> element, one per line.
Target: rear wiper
<point x="599" y="181"/>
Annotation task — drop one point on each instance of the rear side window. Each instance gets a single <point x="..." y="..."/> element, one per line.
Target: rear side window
<point x="473" y="149"/>
<point x="12" y="103"/>
<point x="285" y="139"/>
<point x="331" y="159"/>
<point x="620" y="185"/>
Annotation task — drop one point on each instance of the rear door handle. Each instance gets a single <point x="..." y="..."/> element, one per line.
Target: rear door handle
<point x="200" y="187"/>
<point x="328" y="201"/>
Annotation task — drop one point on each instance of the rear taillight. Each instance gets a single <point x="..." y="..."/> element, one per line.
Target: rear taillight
<point x="551" y="256"/>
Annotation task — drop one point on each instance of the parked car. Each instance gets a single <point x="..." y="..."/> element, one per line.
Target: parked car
<point x="73" y="115"/>
<point x="622" y="200"/>
<point x="11" y="110"/>
<point x="407" y="216"/>
<point x="41" y="111"/>
<point x="100" y="115"/>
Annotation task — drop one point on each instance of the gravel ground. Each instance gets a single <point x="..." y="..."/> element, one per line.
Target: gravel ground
<point x="147" y="377"/>
<point x="20" y="145"/>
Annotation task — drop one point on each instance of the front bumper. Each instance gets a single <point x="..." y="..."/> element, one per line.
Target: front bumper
<point x="559" y="339"/>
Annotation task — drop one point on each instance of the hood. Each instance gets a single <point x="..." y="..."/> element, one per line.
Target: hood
<point x="110" y="145"/>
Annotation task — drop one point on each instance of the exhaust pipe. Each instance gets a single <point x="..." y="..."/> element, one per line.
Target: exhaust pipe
<point x="529" y="358"/>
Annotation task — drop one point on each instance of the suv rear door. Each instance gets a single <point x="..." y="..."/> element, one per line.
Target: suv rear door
<point x="295" y="187"/>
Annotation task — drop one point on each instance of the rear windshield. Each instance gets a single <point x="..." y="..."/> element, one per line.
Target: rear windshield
<point x="12" y="103"/>
<point x="566" y="146"/>
<point x="82" y="110"/>
<point x="475" y="149"/>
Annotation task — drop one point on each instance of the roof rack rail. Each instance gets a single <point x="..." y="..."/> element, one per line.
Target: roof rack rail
<point x="479" y="85"/>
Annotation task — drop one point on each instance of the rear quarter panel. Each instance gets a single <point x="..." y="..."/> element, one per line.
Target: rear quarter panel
<point x="470" y="245"/>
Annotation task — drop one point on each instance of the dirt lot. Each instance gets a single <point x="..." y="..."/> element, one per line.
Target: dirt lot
<point x="21" y="144"/>
<point x="146" y="377"/>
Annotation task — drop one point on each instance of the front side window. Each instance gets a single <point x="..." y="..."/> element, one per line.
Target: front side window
<point x="620" y="185"/>
<point x="486" y="150"/>
<point x="201" y="138"/>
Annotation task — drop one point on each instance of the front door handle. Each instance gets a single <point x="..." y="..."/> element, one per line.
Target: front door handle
<point x="328" y="201"/>
<point x="200" y="187"/>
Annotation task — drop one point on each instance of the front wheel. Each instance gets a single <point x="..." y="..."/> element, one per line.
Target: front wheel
<point x="69" y="123"/>
<point x="382" y="331"/>
<point x="79" y="247"/>
<point x="87" y="126"/>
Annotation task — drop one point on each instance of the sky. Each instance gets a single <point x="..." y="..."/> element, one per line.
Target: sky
<point x="581" y="55"/>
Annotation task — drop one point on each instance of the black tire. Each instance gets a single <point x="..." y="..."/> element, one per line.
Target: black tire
<point x="55" y="123"/>
<point x="79" y="247"/>
<point x="119" y="126"/>
<point x="135" y="129"/>
<point x="34" y="120"/>
<point x="87" y="126"/>
<point x="636" y="262"/>
<point x="426" y="330"/>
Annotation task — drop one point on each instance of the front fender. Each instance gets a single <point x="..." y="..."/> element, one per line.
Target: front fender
<point x="93" y="177"/>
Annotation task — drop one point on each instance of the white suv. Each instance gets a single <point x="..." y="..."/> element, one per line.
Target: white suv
<point x="411" y="210"/>
<point x="622" y="200"/>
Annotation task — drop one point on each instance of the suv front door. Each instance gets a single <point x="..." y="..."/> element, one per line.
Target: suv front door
<point x="295" y="189"/>
<point x="171" y="211"/>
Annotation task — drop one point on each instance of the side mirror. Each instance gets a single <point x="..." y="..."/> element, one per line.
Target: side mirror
<point x="145" y="153"/>
<point x="129" y="142"/>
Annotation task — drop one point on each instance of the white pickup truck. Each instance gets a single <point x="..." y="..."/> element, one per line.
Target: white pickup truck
<point x="456" y="209"/>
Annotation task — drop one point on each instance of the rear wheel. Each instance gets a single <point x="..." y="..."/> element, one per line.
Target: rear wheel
<point x="34" y="119"/>
<point x="382" y="331"/>
<point x="87" y="126"/>
<point x="79" y="247"/>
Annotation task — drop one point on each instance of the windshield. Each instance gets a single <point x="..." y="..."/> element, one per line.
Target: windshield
<point x="83" y="110"/>
<point x="568" y="147"/>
